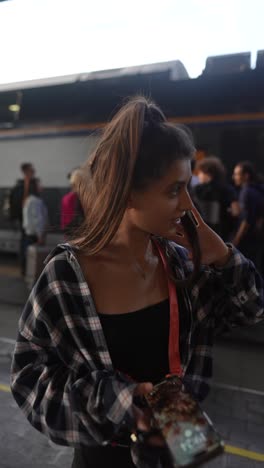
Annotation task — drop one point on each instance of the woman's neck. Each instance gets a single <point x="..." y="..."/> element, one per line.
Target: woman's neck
<point x="133" y="242"/>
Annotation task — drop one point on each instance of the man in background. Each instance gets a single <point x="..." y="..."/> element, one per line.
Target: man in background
<point x="215" y="197"/>
<point x="18" y="195"/>
<point x="249" y="236"/>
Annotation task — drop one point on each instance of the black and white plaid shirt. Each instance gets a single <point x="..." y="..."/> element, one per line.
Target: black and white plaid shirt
<point x="62" y="375"/>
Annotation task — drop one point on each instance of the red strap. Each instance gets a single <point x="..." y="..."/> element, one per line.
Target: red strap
<point x="174" y="352"/>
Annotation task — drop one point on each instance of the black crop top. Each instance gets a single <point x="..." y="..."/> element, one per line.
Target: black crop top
<point x="138" y="341"/>
<point x="138" y="345"/>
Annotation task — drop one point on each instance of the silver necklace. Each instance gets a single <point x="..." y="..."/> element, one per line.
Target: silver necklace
<point x="141" y="270"/>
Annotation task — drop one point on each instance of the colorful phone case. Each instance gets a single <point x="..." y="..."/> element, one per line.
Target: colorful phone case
<point x="185" y="427"/>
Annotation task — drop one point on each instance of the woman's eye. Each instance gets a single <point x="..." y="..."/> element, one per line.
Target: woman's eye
<point x="174" y="192"/>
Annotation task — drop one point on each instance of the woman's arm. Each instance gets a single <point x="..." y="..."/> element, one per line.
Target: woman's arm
<point x="235" y="293"/>
<point x="58" y="377"/>
<point x="229" y="286"/>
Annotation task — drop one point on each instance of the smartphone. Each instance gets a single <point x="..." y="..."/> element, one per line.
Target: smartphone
<point x="187" y="431"/>
<point x="192" y="217"/>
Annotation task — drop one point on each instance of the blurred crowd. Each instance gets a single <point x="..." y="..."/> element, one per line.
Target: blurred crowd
<point x="233" y="208"/>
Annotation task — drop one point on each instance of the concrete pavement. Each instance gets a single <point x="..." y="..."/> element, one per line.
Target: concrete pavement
<point x="13" y="290"/>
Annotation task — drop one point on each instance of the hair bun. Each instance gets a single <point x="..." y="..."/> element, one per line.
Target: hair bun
<point x="153" y="116"/>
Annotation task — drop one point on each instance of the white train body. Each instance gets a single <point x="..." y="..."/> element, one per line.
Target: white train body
<point x="53" y="157"/>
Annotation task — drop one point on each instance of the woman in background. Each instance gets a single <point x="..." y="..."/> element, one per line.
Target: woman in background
<point x="71" y="210"/>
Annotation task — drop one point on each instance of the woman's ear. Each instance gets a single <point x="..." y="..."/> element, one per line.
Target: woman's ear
<point x="131" y="200"/>
<point x="129" y="203"/>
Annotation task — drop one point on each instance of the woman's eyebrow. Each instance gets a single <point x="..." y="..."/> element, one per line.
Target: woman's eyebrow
<point x="180" y="182"/>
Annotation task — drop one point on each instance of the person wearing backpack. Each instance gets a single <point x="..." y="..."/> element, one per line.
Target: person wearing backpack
<point x="17" y="197"/>
<point x="19" y="192"/>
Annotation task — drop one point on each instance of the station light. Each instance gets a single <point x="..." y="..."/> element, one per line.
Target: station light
<point x="14" y="107"/>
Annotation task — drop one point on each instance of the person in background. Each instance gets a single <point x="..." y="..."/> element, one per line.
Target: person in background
<point x="20" y="191"/>
<point x="249" y="236"/>
<point x="17" y="197"/>
<point x="35" y="217"/>
<point x="139" y="293"/>
<point x="71" y="210"/>
<point x="215" y="198"/>
<point x="195" y="179"/>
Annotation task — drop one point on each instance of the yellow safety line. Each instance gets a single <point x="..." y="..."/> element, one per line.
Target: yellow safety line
<point x="5" y="388"/>
<point x="244" y="453"/>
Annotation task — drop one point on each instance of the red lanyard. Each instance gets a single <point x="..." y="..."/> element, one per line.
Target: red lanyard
<point x="174" y="351"/>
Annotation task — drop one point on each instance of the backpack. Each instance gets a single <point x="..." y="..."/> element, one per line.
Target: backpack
<point x="15" y="201"/>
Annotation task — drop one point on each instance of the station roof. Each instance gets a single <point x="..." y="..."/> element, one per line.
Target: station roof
<point x="94" y="96"/>
<point x="174" y="69"/>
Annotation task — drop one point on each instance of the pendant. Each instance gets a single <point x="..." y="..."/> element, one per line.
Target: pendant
<point x="140" y="270"/>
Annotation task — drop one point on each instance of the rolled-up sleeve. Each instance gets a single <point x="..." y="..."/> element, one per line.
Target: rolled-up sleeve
<point x="59" y="385"/>
<point x="238" y="292"/>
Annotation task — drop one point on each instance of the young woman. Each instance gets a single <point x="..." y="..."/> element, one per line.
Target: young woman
<point x="138" y="294"/>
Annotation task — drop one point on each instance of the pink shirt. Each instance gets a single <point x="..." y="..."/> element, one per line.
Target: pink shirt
<point x="68" y="208"/>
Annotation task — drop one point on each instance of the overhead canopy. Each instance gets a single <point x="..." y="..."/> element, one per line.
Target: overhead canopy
<point x="174" y="69"/>
<point x="93" y="97"/>
<point x="66" y="97"/>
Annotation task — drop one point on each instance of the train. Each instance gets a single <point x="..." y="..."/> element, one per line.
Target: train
<point x="55" y="123"/>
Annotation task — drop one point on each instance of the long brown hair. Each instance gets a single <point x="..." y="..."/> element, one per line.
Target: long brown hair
<point x="137" y="146"/>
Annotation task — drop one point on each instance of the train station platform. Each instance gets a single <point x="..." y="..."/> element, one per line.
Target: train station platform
<point x="13" y="290"/>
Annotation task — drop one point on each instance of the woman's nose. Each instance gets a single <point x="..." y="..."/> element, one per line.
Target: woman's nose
<point x="185" y="202"/>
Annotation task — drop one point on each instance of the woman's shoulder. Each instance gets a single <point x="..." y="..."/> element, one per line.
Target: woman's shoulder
<point x="69" y="197"/>
<point x="58" y="290"/>
<point x="173" y="250"/>
<point x="60" y="264"/>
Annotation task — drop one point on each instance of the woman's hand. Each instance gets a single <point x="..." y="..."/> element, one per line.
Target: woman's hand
<point x="213" y="249"/>
<point x="143" y="416"/>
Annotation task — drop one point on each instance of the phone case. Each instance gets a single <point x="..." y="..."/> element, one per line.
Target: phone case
<point x="193" y="218"/>
<point x="185" y="427"/>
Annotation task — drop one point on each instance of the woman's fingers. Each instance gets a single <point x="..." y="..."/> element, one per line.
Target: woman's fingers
<point x="198" y="220"/>
<point x="143" y="419"/>
<point x="142" y="415"/>
<point x="143" y="388"/>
